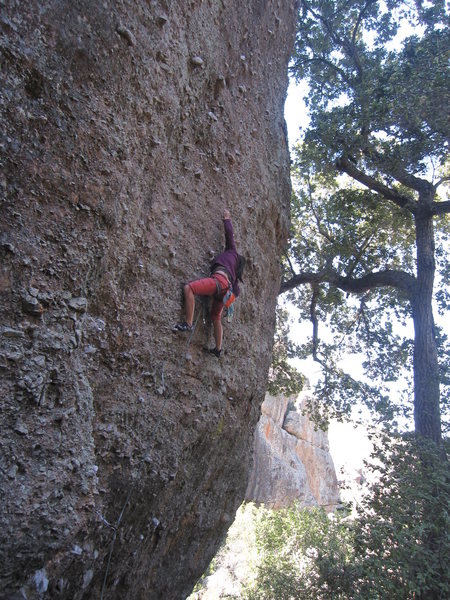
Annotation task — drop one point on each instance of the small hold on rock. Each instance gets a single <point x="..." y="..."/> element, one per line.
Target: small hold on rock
<point x="21" y="428"/>
<point x="197" y="61"/>
<point x="78" y="304"/>
<point x="126" y="34"/>
<point x="162" y="19"/>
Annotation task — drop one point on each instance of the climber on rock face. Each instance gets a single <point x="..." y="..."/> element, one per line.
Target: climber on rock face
<point x="226" y="271"/>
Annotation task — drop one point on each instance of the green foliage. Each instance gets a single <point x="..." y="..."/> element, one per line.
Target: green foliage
<point x="283" y="377"/>
<point x="304" y="553"/>
<point x="350" y="232"/>
<point x="402" y="534"/>
<point x="397" y="546"/>
<point x="378" y="113"/>
<point x="345" y="225"/>
<point x="366" y="95"/>
<point x="235" y="559"/>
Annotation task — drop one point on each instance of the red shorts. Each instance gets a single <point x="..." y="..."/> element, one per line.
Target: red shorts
<point x="208" y="287"/>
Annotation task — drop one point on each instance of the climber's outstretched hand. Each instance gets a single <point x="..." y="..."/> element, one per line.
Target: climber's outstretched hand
<point x="226" y="214"/>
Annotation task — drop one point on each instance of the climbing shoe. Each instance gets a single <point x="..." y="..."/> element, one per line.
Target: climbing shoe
<point x="215" y="352"/>
<point x="182" y="327"/>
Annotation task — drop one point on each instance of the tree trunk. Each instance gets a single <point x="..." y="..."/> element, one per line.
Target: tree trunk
<point x="426" y="368"/>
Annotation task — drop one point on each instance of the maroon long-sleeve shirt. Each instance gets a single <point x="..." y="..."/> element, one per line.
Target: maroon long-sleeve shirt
<point x="229" y="258"/>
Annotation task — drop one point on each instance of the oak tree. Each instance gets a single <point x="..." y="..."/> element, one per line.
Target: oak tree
<point x="369" y="220"/>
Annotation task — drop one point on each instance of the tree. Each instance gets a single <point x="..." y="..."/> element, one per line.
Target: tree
<point x="378" y="115"/>
<point x="397" y="545"/>
<point x="283" y="377"/>
<point x="401" y="532"/>
<point x="304" y="554"/>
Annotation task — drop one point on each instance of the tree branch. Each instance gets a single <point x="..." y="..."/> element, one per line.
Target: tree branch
<point x="441" y="208"/>
<point x="291" y="266"/>
<point x="324" y="61"/>
<point x="389" y="278"/>
<point x="351" y="45"/>
<point x="345" y="165"/>
<point x="400" y="174"/>
<point x="360" y="19"/>
<point x="314" y="321"/>
<point x="441" y="181"/>
<point x="359" y="253"/>
<point x="322" y="231"/>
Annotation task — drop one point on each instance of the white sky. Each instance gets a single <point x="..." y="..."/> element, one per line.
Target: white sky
<point x="349" y="446"/>
<point x="295" y="112"/>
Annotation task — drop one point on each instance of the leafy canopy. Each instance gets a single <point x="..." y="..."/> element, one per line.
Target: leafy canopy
<point x="301" y="552"/>
<point x="284" y="378"/>
<point x="368" y="95"/>
<point x="346" y="233"/>
<point x="402" y="539"/>
<point x="366" y="178"/>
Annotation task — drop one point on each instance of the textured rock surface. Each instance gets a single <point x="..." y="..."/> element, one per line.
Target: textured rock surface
<point x="126" y="126"/>
<point x="291" y="460"/>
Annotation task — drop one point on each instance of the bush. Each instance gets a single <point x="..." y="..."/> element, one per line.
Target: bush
<point x="401" y="535"/>
<point x="397" y="547"/>
<point x="304" y="553"/>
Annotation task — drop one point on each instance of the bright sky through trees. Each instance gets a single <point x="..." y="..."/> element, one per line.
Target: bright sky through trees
<point x="295" y="111"/>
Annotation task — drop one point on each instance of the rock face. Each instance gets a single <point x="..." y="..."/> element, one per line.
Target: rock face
<point x="126" y="127"/>
<point x="291" y="460"/>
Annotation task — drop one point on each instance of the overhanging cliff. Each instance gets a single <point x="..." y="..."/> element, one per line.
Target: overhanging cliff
<point x="126" y="127"/>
